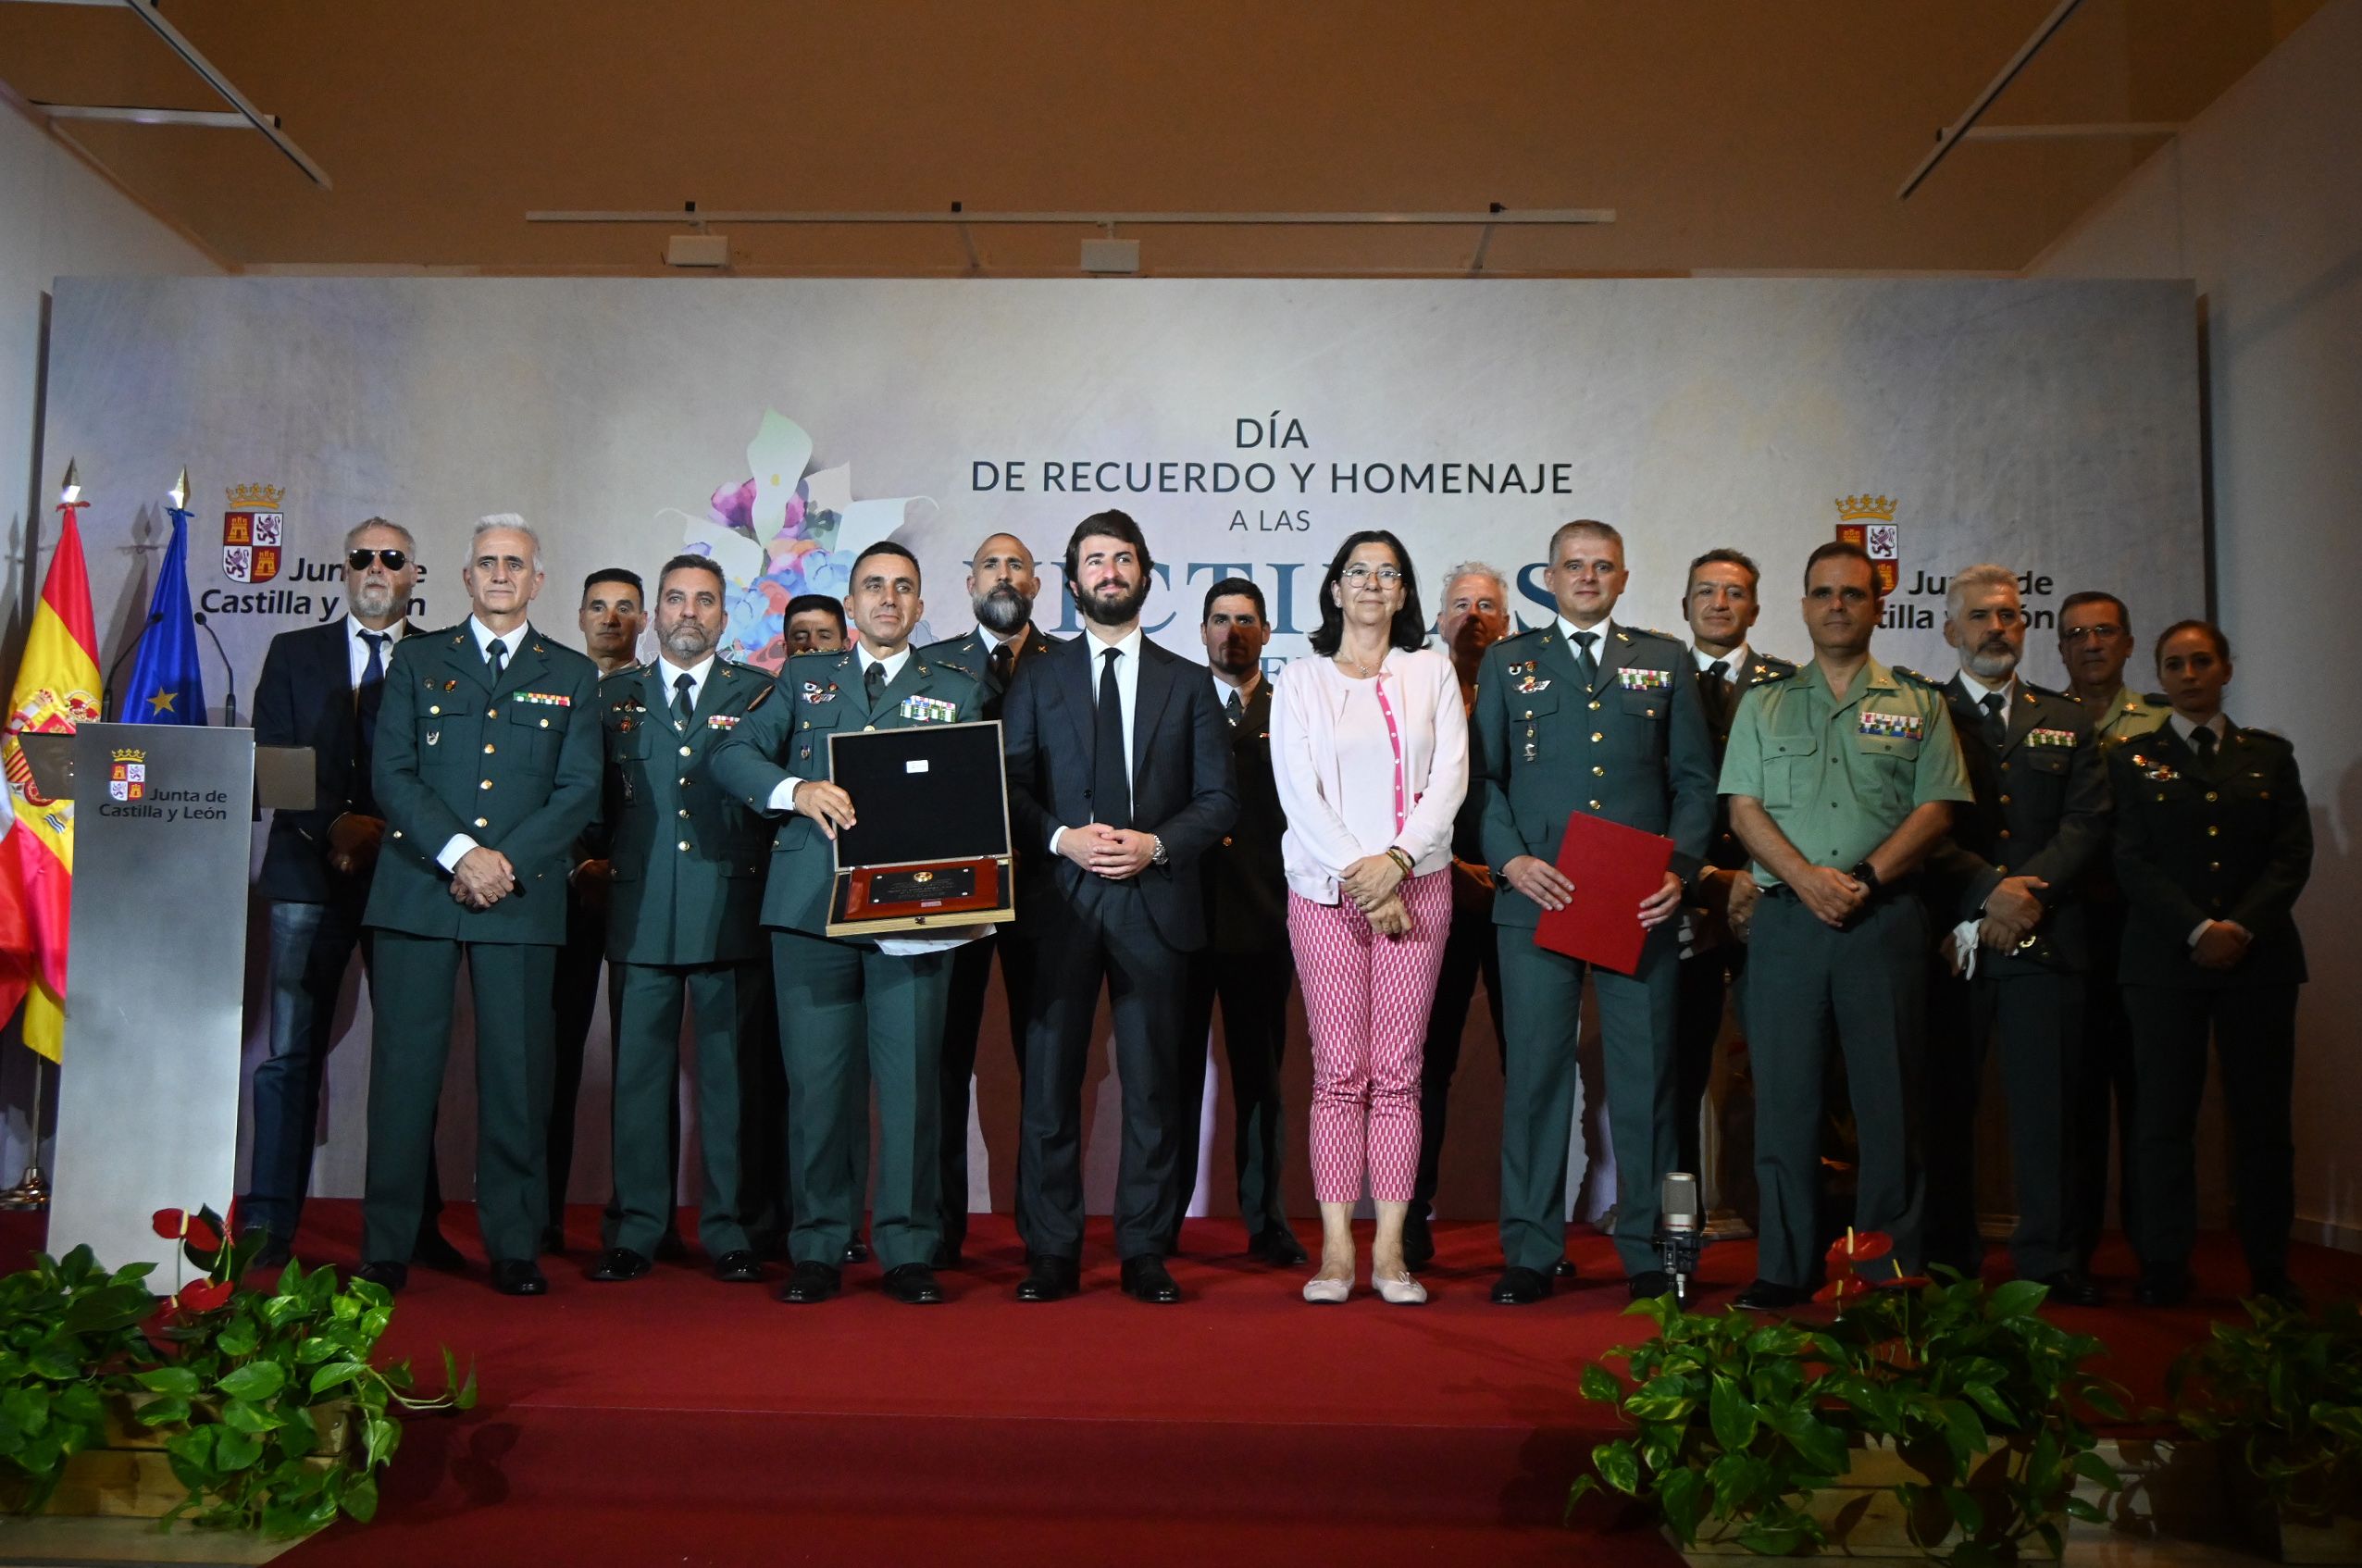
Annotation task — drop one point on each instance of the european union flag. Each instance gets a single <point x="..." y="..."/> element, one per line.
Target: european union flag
<point x="166" y="686"/>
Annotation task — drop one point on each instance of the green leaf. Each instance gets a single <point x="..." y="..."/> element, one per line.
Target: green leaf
<point x="238" y="1338"/>
<point x="1733" y="1417"/>
<point x="244" y="1416"/>
<point x="2095" y="1468"/>
<point x="170" y="1409"/>
<point x="382" y="1436"/>
<point x="235" y="1450"/>
<point x="1618" y="1465"/>
<point x="1966" y="1510"/>
<point x="170" y="1380"/>
<point x="360" y="1498"/>
<point x="1679" y="1495"/>
<point x="255" y="1380"/>
<point x="2083" y="1509"/>
<point x="334" y="1374"/>
<point x="1596" y="1384"/>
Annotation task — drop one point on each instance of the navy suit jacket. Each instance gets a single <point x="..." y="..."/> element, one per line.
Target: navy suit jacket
<point x="304" y="698"/>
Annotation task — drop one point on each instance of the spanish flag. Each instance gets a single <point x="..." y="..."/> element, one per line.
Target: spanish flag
<point x="56" y="689"/>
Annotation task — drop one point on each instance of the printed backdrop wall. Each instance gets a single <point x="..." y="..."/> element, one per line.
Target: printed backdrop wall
<point x="1249" y="425"/>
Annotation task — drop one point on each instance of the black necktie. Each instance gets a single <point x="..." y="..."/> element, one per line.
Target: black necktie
<point x="367" y="699"/>
<point x="682" y="706"/>
<point x="496" y="652"/>
<point x="1714" y="683"/>
<point x="1583" y="662"/>
<point x="1111" y="775"/>
<point x="1003" y="661"/>
<point x="1234" y="709"/>
<point x="873" y="680"/>
<point x="2202" y="740"/>
<point x="1997" y="727"/>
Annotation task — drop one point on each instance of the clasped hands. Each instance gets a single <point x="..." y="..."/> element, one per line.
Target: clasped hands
<point x="2221" y="945"/>
<point x="1549" y="886"/>
<point x="482" y="878"/>
<point x="1373" y="885"/>
<point x="1112" y="852"/>
<point x="2011" y="912"/>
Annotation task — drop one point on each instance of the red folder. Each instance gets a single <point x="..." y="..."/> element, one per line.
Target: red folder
<point x="1612" y="867"/>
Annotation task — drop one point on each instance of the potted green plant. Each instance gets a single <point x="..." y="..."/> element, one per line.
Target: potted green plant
<point x="1924" y="1418"/>
<point x="69" y="1329"/>
<point x="2280" y="1398"/>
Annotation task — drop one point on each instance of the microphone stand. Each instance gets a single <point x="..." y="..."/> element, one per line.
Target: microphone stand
<point x="106" y="691"/>
<point x="229" y="675"/>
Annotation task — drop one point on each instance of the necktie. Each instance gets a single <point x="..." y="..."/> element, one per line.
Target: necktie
<point x="1996" y="728"/>
<point x="682" y="706"/>
<point x="1234" y="709"/>
<point x="1714" y="684"/>
<point x="2203" y="743"/>
<point x="1583" y="662"/>
<point x="367" y="699"/>
<point x="873" y="680"/>
<point x="1003" y="662"/>
<point x="1110" y="775"/>
<point x="496" y="653"/>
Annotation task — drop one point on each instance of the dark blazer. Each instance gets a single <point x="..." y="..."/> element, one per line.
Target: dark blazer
<point x="2041" y="810"/>
<point x="1182" y="787"/>
<point x="974" y="653"/>
<point x="785" y="735"/>
<point x="515" y="768"/>
<point x="2231" y="840"/>
<point x="1246" y="882"/>
<point x="1723" y="849"/>
<point x="304" y="698"/>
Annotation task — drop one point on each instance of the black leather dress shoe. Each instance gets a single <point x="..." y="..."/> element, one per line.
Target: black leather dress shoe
<point x="2073" y="1288"/>
<point x="434" y="1250"/>
<point x="948" y="1256"/>
<point x="738" y="1267"/>
<point x="1769" y="1296"/>
<point x="1051" y="1279"/>
<point x="617" y="1264"/>
<point x="392" y="1275"/>
<point x="1144" y="1279"/>
<point x="519" y="1276"/>
<point x="913" y="1285"/>
<point x="1520" y="1287"/>
<point x="272" y="1253"/>
<point x="2165" y="1285"/>
<point x="1649" y="1284"/>
<point x="1418" y="1242"/>
<point x="1562" y="1269"/>
<point x="1279" y="1247"/>
<point x="856" y="1251"/>
<point x="811" y="1283"/>
<point x="2279" y="1286"/>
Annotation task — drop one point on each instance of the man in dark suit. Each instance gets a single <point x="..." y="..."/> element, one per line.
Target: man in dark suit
<point x="683" y="923"/>
<point x="323" y="686"/>
<point x="2007" y="883"/>
<point x="850" y="999"/>
<point x="1247" y="961"/>
<point x="1720" y="605"/>
<point x="1002" y="588"/>
<point x="611" y="618"/>
<point x="1119" y="766"/>
<point x="488" y="772"/>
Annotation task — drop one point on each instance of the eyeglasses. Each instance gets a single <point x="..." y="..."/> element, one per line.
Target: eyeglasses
<point x="395" y="560"/>
<point x="1357" y="575"/>
<point x="2106" y="631"/>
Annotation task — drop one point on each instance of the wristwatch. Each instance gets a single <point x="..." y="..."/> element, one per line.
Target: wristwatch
<point x="1867" y="874"/>
<point x="1156" y="850"/>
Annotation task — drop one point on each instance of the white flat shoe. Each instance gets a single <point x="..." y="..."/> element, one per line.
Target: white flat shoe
<point x="1327" y="1292"/>
<point x="1403" y="1292"/>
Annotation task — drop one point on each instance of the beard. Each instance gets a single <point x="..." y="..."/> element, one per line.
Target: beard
<point x="1233" y="657"/>
<point x="686" y="640"/>
<point x="372" y="599"/>
<point x="1990" y="663"/>
<point x="1117" y="611"/>
<point x="1001" y="609"/>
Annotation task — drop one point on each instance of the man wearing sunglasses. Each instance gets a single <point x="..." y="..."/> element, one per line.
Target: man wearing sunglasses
<point x="321" y="687"/>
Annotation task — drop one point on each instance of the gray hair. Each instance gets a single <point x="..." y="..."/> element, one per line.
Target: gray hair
<point x="512" y="521"/>
<point x="1984" y="575"/>
<point x="1477" y="568"/>
<point x="353" y="535"/>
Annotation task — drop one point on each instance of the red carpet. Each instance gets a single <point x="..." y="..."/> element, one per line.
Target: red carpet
<point x="676" y="1419"/>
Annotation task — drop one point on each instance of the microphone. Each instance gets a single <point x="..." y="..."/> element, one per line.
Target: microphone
<point x="1679" y="1233"/>
<point x="106" y="691"/>
<point x="230" y="695"/>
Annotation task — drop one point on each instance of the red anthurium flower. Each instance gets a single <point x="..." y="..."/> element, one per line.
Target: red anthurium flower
<point x="1903" y="1281"/>
<point x="202" y="1233"/>
<point x="1859" y="1247"/>
<point x="171" y="1224"/>
<point x="203" y="1296"/>
<point x="1836" y="1291"/>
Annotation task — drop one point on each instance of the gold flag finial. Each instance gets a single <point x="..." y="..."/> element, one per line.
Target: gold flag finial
<point x="179" y="492"/>
<point x="70" y="492"/>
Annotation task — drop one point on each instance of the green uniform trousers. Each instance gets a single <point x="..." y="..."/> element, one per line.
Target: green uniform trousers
<point x="1867" y="985"/>
<point x="1542" y="1005"/>
<point x="648" y="997"/>
<point x="416" y="983"/>
<point x="848" y="1012"/>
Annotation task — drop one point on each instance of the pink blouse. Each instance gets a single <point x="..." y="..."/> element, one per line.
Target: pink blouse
<point x="1366" y="765"/>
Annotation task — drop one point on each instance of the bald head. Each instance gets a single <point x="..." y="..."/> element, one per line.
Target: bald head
<point x="1002" y="584"/>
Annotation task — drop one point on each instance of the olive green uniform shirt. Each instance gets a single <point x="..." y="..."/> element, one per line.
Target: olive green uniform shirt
<point x="1838" y="776"/>
<point x="2128" y="715"/>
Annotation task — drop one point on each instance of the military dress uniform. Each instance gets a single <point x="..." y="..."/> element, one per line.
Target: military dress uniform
<point x="683" y="920"/>
<point x="2221" y="833"/>
<point x="2041" y="810"/>
<point x="1713" y="964"/>
<point x="1615" y="729"/>
<point x="842" y="1001"/>
<point x="502" y="750"/>
<point x="1837" y="776"/>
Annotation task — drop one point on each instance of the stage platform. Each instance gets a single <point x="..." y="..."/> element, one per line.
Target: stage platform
<point x="677" y="1419"/>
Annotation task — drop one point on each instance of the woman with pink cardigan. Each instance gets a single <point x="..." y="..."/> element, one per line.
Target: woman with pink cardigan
<point x="1369" y="745"/>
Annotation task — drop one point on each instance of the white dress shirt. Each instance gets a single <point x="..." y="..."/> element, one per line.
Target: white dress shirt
<point x="358" y="650"/>
<point x="1978" y="690"/>
<point x="1598" y="635"/>
<point x="456" y="848"/>
<point x="1733" y="662"/>
<point x="1127" y="692"/>
<point x="671" y="672"/>
<point x="1347" y="776"/>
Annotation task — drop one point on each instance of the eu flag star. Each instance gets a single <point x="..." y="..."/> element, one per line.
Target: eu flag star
<point x="161" y="702"/>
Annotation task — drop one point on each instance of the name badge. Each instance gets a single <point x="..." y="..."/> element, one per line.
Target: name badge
<point x="1893" y="726"/>
<point x="1644" y="680"/>
<point x="2065" y="738"/>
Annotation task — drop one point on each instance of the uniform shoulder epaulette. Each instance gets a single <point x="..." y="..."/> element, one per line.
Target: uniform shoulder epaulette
<point x="762" y="697"/>
<point x="955" y="668"/>
<point x="628" y="670"/>
<point x="1764" y="671"/>
<point x="1651" y="632"/>
<point x="2266" y="737"/>
<point x="1915" y="677"/>
<point x="1774" y="662"/>
<point x="2046" y="691"/>
<point x="1521" y="636"/>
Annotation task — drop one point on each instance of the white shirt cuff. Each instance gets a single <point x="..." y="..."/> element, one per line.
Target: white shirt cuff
<point x="454" y="850"/>
<point x="1055" y="834"/>
<point x="783" y="796"/>
<point x="2199" y="930"/>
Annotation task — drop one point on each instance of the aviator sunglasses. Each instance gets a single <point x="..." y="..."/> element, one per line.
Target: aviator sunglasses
<point x="395" y="560"/>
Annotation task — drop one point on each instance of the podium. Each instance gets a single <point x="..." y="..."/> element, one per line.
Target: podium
<point x="147" y="1101"/>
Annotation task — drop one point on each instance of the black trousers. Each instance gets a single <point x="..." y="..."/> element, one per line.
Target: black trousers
<point x="2038" y="1017"/>
<point x="2105" y="1106"/>
<point x="1706" y="979"/>
<point x="2255" y="1029"/>
<point x="1105" y="938"/>
<point x="962" y="1023"/>
<point x="1252" y="989"/>
<point x="1471" y="952"/>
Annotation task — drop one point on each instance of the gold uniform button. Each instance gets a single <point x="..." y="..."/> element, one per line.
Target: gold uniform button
<point x="684" y="810"/>
<point x="485" y="785"/>
<point x="1225" y="841"/>
<point x="1599" y="773"/>
<point x="2214" y="865"/>
<point x="483" y="822"/>
<point x="684" y="843"/>
<point x="436" y="708"/>
<point x="684" y="751"/>
<point x="683" y="782"/>
<point x="1595" y="705"/>
<point x="2212" y="797"/>
<point x="1529" y="713"/>
<point x="2004" y="799"/>
<point x="1598" y="736"/>
<point x="487" y="748"/>
<point x="2213" y="831"/>
<point x="491" y="712"/>
<point x="2005" y="832"/>
<point x="864" y="729"/>
<point x="546" y="724"/>
<point x="1595" y="806"/>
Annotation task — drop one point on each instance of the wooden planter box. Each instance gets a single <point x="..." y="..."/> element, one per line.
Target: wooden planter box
<point x="2332" y="1536"/>
<point x="1862" y="1515"/>
<point x="131" y="1477"/>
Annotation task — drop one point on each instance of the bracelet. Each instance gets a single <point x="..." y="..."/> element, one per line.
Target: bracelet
<point x="1409" y="867"/>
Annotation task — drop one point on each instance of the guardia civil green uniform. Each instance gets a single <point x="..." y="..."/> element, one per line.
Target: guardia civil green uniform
<point x="841" y="999"/>
<point x="511" y="760"/>
<point x="1626" y="740"/>
<point x="1837" y="776"/>
<point x="684" y="914"/>
<point x="2128" y="715"/>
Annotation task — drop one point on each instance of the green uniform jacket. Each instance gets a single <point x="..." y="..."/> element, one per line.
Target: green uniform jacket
<point x="974" y="653"/>
<point x="1837" y="777"/>
<point x="517" y="769"/>
<point x="1632" y="747"/>
<point x="2227" y="841"/>
<point x="2128" y="715"/>
<point x="786" y="735"/>
<point x="2041" y="810"/>
<point x="1723" y="849"/>
<point x="688" y="859"/>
